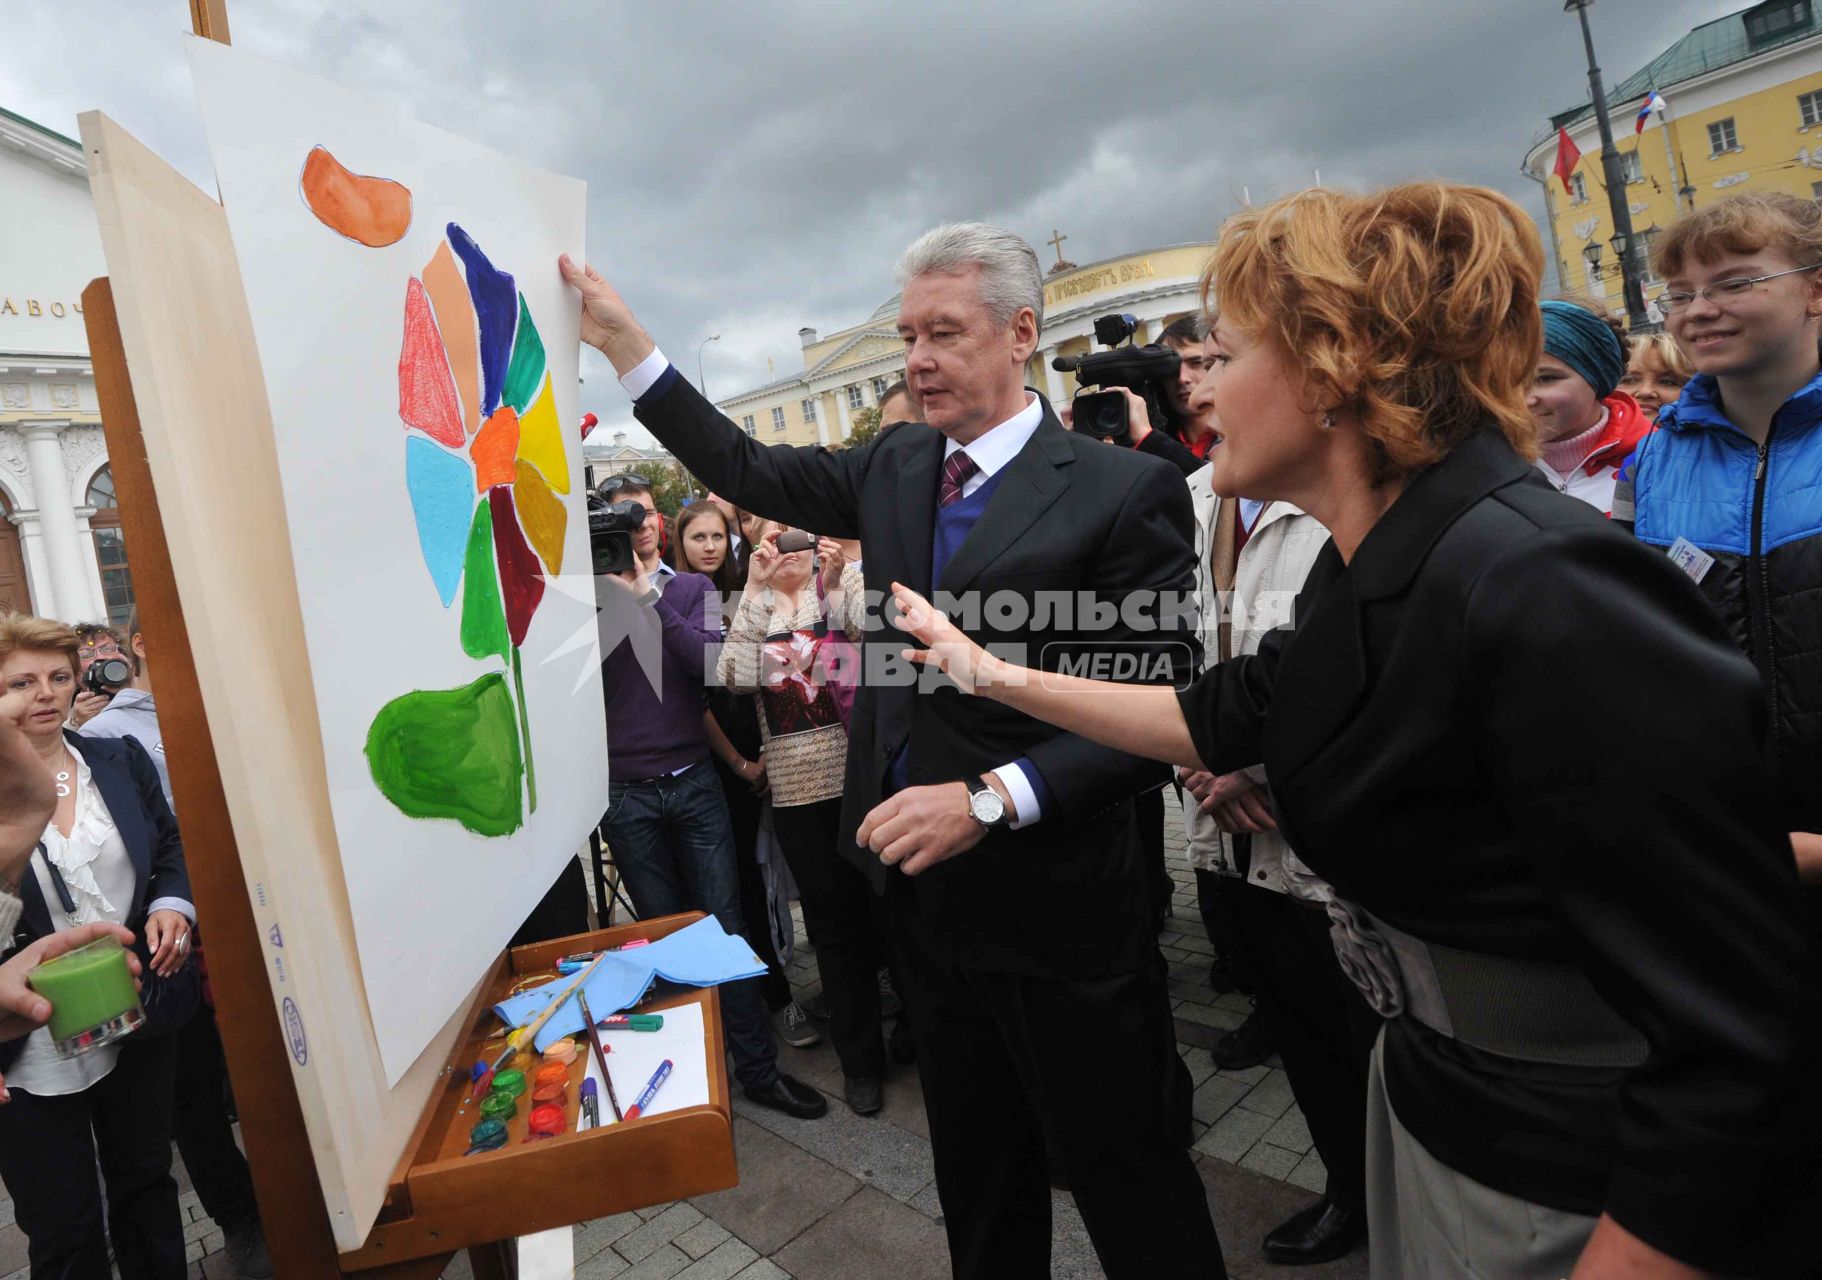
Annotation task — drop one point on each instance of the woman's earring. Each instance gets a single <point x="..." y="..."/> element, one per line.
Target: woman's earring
<point x="1328" y="422"/>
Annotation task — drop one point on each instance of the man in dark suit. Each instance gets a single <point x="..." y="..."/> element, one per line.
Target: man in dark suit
<point x="1006" y="850"/>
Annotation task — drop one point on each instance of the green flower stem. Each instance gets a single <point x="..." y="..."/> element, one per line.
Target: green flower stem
<point x="531" y="772"/>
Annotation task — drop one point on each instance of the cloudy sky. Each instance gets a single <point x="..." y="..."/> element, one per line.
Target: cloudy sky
<point x="756" y="167"/>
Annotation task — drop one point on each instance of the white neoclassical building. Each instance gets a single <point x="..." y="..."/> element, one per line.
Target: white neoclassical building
<point x="61" y="550"/>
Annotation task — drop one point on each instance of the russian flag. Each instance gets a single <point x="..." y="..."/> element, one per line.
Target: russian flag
<point x="1653" y="102"/>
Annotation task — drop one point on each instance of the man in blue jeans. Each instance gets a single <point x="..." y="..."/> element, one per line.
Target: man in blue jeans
<point x="667" y="820"/>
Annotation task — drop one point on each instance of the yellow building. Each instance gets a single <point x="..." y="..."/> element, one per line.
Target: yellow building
<point x="849" y="370"/>
<point x="1744" y="98"/>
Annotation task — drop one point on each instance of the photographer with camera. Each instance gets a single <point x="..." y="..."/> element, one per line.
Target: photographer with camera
<point x="667" y="819"/>
<point x="104" y="670"/>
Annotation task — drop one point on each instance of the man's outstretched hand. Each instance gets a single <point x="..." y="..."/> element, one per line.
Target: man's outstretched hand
<point x="607" y="322"/>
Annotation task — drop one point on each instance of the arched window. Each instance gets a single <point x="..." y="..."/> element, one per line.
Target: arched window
<point x="110" y="547"/>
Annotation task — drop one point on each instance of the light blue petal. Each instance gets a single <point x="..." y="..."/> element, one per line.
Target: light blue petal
<point x="442" y="498"/>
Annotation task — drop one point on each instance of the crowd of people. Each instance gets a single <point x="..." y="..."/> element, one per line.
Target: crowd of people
<point x="1496" y="742"/>
<point x="1496" y="738"/>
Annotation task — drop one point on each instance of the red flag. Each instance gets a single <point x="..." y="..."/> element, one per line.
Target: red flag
<point x="1567" y="157"/>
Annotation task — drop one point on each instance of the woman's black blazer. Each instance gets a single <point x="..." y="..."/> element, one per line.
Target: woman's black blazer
<point x="1508" y="727"/>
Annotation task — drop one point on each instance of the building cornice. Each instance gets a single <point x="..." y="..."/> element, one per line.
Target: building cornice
<point x="45" y="147"/>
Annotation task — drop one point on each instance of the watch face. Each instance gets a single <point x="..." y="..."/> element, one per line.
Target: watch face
<point x="988" y="807"/>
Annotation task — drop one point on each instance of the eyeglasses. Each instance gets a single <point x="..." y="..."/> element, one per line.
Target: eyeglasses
<point x="1738" y="287"/>
<point x="613" y="484"/>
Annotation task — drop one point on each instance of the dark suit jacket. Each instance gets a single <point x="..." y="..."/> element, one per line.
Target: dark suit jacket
<point x="1065" y="896"/>
<point x="1508" y="728"/>
<point x="129" y="784"/>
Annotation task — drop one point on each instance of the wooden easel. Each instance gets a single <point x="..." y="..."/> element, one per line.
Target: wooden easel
<point x="435" y="1205"/>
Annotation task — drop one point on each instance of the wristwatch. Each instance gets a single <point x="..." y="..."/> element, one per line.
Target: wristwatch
<point x="985" y="805"/>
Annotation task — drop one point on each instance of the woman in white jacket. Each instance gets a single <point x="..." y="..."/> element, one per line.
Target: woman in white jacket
<point x="1322" y="1029"/>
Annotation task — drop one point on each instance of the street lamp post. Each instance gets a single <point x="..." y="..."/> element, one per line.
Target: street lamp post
<point x="700" y="384"/>
<point x="1624" y="245"/>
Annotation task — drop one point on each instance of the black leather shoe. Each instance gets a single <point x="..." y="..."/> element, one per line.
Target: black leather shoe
<point x="1247" y="1045"/>
<point x="864" y="1094"/>
<point x="791" y="1096"/>
<point x="1319" y="1233"/>
<point x="898" y="1045"/>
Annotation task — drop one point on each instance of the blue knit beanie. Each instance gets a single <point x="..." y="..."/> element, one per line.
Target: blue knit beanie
<point x="1582" y="340"/>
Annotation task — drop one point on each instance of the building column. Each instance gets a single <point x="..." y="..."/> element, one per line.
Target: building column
<point x="1053" y="381"/>
<point x="69" y="597"/>
<point x="85" y="536"/>
<point x="841" y="407"/>
<point x="37" y="567"/>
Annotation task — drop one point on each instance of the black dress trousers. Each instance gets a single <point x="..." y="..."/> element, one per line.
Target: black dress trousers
<point x="1003" y="1057"/>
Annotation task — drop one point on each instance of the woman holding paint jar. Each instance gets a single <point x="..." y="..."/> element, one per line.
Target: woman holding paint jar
<point x="109" y="855"/>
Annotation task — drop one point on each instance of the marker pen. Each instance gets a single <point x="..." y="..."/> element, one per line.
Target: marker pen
<point x="659" y="1076"/>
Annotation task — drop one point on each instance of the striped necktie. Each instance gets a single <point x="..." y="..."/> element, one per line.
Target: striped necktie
<point x="957" y="468"/>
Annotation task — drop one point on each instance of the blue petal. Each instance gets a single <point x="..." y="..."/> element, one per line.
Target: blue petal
<point x="442" y="497"/>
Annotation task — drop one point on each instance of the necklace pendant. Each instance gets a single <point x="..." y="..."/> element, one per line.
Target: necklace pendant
<point x="63" y="784"/>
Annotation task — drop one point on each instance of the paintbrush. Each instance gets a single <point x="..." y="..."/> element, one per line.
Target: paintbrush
<point x="594" y="1038"/>
<point x="524" y="1034"/>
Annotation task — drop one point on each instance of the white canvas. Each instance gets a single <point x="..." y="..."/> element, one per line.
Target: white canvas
<point x="433" y="898"/>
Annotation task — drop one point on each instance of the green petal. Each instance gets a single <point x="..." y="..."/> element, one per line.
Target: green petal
<point x="483" y="615"/>
<point x="527" y="366"/>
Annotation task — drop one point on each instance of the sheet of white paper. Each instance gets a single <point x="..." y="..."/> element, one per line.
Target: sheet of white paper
<point x="633" y="1055"/>
<point x="389" y="563"/>
<point x="548" y="1255"/>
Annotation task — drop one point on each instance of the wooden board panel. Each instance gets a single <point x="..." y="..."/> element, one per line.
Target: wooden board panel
<point x="272" y="1126"/>
<point x="207" y="435"/>
<point x="442" y="1199"/>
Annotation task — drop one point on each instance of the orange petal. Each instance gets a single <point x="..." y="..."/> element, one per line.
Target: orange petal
<point x="493" y="449"/>
<point x="455" y="319"/>
<point x="541" y="512"/>
<point x="370" y="211"/>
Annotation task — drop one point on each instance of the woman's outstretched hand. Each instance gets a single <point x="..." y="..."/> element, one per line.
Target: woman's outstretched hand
<point x="944" y="645"/>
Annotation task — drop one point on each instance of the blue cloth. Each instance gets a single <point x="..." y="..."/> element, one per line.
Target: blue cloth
<point x="1584" y="342"/>
<point x="699" y="955"/>
<point x="673" y="842"/>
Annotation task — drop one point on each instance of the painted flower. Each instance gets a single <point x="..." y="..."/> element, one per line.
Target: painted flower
<point x="484" y="466"/>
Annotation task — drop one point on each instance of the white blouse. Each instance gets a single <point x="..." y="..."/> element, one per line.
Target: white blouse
<point x="99" y="874"/>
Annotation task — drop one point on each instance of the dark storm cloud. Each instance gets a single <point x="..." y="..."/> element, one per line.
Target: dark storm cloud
<point x="753" y="168"/>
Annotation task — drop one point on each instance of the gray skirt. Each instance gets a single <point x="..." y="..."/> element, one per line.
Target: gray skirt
<point x="1426" y="1220"/>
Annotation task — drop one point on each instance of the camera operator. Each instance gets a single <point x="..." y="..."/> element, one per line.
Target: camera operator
<point x="667" y="820"/>
<point x="1144" y="400"/>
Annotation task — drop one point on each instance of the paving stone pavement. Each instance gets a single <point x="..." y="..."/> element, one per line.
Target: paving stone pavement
<point x="853" y="1198"/>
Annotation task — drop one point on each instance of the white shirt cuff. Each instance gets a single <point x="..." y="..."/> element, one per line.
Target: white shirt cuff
<point x="1024" y="799"/>
<point x="640" y="378"/>
<point x="182" y="906"/>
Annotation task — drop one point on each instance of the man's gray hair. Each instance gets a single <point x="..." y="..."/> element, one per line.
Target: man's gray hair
<point x="1010" y="277"/>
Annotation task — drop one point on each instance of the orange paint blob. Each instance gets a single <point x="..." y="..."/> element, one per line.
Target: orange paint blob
<point x="372" y="211"/>
<point x="494" y="448"/>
